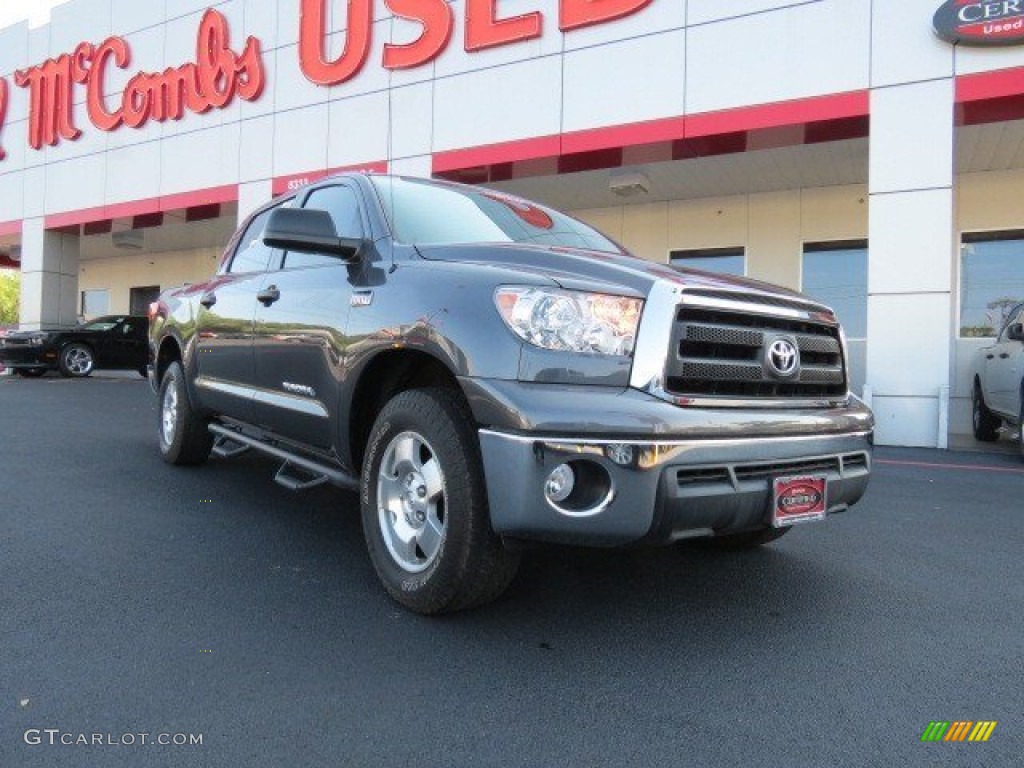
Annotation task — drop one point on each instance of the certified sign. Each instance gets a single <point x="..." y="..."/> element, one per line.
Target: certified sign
<point x="990" y="22"/>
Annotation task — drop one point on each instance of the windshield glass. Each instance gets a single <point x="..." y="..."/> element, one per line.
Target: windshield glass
<point x="434" y="213"/>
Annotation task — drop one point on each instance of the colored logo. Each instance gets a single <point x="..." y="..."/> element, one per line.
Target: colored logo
<point x="981" y="22"/>
<point x="959" y="730"/>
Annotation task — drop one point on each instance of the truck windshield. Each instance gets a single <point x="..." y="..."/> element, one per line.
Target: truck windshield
<point x="437" y="213"/>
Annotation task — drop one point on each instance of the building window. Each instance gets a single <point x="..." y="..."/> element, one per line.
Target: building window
<point x="95" y="303"/>
<point x="836" y="274"/>
<point x="140" y="297"/>
<point x="991" y="280"/>
<point x="724" y="261"/>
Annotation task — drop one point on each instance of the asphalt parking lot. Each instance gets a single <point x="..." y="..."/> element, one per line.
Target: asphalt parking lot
<point x="140" y="598"/>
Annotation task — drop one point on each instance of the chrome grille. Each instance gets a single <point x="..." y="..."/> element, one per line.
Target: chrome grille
<point x="721" y="353"/>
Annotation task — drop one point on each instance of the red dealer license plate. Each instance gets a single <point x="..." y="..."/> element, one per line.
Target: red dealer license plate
<point x="798" y="500"/>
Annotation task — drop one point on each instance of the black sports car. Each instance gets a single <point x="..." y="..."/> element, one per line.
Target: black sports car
<point x="114" y="342"/>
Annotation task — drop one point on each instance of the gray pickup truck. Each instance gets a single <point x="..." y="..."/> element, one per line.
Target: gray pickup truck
<point x="485" y="371"/>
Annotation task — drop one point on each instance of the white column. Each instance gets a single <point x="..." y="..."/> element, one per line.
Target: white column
<point x="252" y="195"/>
<point x="49" y="277"/>
<point x="911" y="258"/>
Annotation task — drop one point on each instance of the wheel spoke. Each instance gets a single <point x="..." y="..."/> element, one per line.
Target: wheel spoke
<point x="430" y="536"/>
<point x="431" y="472"/>
<point x="389" y="494"/>
<point x="404" y="540"/>
<point x="405" y="450"/>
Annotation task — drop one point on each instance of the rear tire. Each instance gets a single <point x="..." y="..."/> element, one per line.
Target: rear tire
<point x="76" y="361"/>
<point x="733" y="542"/>
<point x="424" y="506"/>
<point x="143" y="372"/>
<point x="985" y="423"/>
<point x="183" y="434"/>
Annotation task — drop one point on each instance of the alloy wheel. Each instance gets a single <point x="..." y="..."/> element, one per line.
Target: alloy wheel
<point x="411" y="502"/>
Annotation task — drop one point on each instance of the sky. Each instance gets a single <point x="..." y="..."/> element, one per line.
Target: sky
<point x="36" y="11"/>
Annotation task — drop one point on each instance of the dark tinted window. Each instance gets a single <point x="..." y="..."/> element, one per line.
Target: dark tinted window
<point x="252" y="255"/>
<point x="343" y="206"/>
<point x="424" y="213"/>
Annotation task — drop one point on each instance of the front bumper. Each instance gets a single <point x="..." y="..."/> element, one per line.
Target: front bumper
<point x="678" y="473"/>
<point x="27" y="357"/>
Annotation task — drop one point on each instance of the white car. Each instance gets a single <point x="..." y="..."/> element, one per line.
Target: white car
<point x="998" y="392"/>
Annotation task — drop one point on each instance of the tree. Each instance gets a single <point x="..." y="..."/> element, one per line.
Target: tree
<point x="10" y="291"/>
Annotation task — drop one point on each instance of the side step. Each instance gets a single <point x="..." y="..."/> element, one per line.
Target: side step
<point x="318" y="472"/>
<point x="298" y="478"/>
<point x="226" y="448"/>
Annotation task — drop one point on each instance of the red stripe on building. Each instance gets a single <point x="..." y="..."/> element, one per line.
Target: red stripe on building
<point x="817" y="110"/>
<point x="990" y="85"/>
<point x="297" y="181"/>
<point x="794" y="112"/>
<point x="144" y="207"/>
<point x="10" y="228"/>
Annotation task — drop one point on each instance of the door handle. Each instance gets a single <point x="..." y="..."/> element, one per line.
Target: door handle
<point x="989" y="357"/>
<point x="268" y="295"/>
<point x="1004" y="355"/>
<point x="208" y="299"/>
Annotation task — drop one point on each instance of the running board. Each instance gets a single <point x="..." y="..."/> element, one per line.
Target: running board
<point x="227" y="448"/>
<point x="296" y="478"/>
<point x="320" y="472"/>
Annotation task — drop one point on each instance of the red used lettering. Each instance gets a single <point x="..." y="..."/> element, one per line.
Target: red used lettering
<point x="313" y="42"/>
<point x="483" y="30"/>
<point x="583" y="13"/>
<point x="437" y="19"/>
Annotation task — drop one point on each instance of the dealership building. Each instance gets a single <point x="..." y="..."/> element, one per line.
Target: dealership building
<point x="870" y="154"/>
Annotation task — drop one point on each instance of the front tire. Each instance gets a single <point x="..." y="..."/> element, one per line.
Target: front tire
<point x="76" y="361"/>
<point x="31" y="373"/>
<point x="184" y="437"/>
<point x="424" y="506"/>
<point x="985" y="423"/>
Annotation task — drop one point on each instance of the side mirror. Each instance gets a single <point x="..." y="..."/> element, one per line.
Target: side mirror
<point x="1015" y="332"/>
<point x="308" y="231"/>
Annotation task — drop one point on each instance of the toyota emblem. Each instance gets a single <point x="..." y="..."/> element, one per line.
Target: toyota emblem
<point x="783" y="358"/>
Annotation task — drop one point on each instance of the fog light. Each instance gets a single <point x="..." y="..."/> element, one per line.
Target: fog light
<point x="560" y="483"/>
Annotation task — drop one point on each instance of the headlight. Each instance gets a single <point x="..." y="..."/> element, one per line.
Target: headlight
<point x="36" y="341"/>
<point x="571" y="321"/>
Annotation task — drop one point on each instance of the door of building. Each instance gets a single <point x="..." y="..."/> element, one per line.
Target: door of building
<point x="140" y="298"/>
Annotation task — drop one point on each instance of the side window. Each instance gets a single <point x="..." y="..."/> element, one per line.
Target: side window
<point x="343" y="206"/>
<point x="252" y="255"/>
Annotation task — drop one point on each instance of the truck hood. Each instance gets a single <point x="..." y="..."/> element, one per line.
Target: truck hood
<point x="579" y="269"/>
